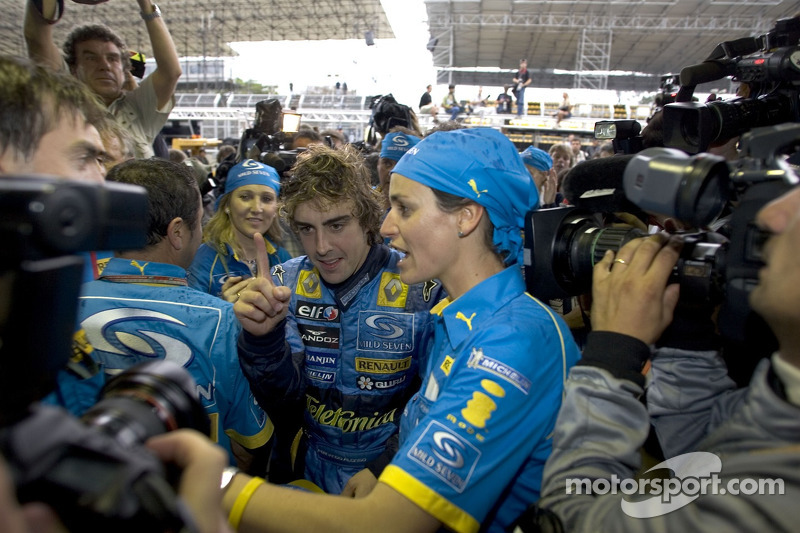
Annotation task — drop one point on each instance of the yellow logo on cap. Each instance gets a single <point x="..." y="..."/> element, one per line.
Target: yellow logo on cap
<point x="475" y="188"/>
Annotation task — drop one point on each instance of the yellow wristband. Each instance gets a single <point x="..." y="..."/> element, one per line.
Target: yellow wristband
<point x="242" y="500"/>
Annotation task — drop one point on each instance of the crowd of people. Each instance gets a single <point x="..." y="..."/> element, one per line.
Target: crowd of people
<point x="364" y="347"/>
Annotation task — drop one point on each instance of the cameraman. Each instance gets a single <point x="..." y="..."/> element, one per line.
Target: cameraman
<point x="753" y="431"/>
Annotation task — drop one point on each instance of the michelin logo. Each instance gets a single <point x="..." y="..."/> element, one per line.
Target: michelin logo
<point x="477" y="359"/>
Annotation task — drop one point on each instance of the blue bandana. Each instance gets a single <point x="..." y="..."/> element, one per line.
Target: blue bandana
<point x="483" y="165"/>
<point x="396" y="144"/>
<point x="536" y="158"/>
<point x="250" y="172"/>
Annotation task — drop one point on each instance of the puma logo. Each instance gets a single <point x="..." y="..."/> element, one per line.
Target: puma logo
<point x="475" y="188"/>
<point x="462" y="316"/>
<point x="141" y="268"/>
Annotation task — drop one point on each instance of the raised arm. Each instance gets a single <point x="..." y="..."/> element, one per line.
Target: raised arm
<point x="168" y="68"/>
<point x="38" y="30"/>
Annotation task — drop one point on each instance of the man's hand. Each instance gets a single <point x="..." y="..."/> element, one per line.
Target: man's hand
<point x="262" y="305"/>
<point x="630" y="292"/>
<point x="201" y="463"/>
<point x="360" y="484"/>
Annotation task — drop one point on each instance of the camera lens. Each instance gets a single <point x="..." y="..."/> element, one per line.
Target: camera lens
<point x="148" y="400"/>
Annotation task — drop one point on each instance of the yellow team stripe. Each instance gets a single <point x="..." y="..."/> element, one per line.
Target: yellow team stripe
<point x="450" y="515"/>
<point x="253" y="441"/>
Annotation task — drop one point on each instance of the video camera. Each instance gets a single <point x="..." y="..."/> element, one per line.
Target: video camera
<point x="718" y="265"/>
<point x="769" y="68"/>
<point x="269" y="137"/>
<point x="93" y="472"/>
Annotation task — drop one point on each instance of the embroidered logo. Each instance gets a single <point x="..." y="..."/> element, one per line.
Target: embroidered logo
<point x="474" y="187"/>
<point x="141" y="268"/>
<point x="468" y="320"/>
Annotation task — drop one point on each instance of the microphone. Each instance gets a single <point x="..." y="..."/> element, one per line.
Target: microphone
<point x="596" y="185"/>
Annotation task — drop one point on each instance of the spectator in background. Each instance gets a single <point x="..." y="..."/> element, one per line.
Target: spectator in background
<point x="334" y="138"/>
<point x="540" y="165"/>
<point x="562" y="157"/>
<point x="305" y="138"/>
<point x="98" y="57"/>
<point x="578" y="154"/>
<point x="225" y="151"/>
<point x="564" y="110"/>
<point x="521" y="80"/>
<point x="504" y="101"/>
<point x="606" y="149"/>
<point x="248" y="204"/>
<point x="396" y="143"/>
<point x="450" y="103"/>
<point x="426" y="105"/>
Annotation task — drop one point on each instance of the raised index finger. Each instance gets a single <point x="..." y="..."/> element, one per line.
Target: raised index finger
<point x="262" y="258"/>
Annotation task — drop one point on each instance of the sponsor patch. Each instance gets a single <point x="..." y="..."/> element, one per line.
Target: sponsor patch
<point x="382" y="366"/>
<point x="319" y="336"/>
<point x="323" y="360"/>
<point x="477" y="359"/>
<point x="447" y="364"/>
<point x="368" y="383"/>
<point x="392" y="291"/>
<point x="278" y="272"/>
<point x="320" y="375"/>
<point x="320" y="312"/>
<point x="480" y="406"/>
<point x="347" y="421"/>
<point x="447" y="455"/>
<point x="385" y="332"/>
<point x="308" y="284"/>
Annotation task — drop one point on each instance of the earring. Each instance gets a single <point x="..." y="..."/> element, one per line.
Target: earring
<point x="460" y="234"/>
<point x="228" y="210"/>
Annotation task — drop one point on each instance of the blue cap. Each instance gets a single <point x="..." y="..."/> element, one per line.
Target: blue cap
<point x="483" y="165"/>
<point x="250" y="172"/>
<point x="396" y="144"/>
<point x="536" y="158"/>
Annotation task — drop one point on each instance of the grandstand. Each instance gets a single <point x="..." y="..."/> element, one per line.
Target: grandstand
<point x="226" y="116"/>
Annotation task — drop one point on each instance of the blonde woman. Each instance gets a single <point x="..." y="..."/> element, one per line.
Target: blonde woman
<point x="248" y="205"/>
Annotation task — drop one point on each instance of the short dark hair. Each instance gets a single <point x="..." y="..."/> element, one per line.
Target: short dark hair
<point x="33" y="99"/>
<point x="172" y="192"/>
<point x="94" y="32"/>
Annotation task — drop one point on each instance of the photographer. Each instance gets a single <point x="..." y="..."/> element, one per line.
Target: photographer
<point x="752" y="433"/>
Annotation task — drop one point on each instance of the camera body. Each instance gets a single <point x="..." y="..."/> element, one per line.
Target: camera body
<point x="768" y="66"/>
<point x="94" y="472"/>
<point x="721" y="256"/>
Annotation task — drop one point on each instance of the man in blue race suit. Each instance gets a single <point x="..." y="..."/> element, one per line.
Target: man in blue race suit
<point x="142" y="308"/>
<point x="346" y="359"/>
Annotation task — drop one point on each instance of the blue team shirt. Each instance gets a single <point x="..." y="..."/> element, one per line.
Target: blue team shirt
<point x="210" y="269"/>
<point x="475" y="438"/>
<point x="140" y="311"/>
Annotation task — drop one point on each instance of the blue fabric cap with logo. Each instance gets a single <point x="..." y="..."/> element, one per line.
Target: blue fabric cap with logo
<point x="483" y="165"/>
<point x="396" y="144"/>
<point x="536" y="158"/>
<point x="250" y="172"/>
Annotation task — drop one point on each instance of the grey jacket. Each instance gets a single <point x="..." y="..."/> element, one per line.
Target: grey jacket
<point x="692" y="403"/>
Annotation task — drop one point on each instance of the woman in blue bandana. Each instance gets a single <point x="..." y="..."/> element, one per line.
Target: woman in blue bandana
<point x="248" y="205"/>
<point x="475" y="438"/>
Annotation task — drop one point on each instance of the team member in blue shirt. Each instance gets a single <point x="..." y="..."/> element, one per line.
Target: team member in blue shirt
<point x="141" y="308"/>
<point x="249" y="204"/>
<point x="474" y="439"/>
